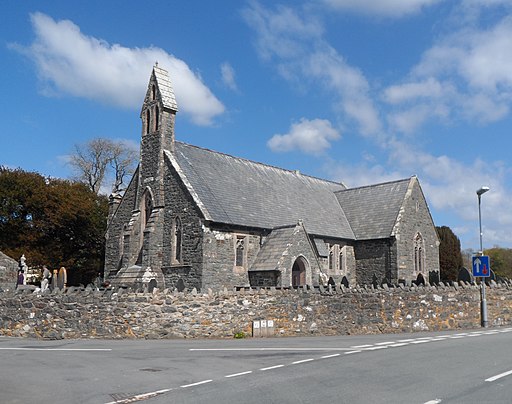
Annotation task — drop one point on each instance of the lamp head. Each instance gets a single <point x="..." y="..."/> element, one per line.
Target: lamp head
<point x="482" y="190"/>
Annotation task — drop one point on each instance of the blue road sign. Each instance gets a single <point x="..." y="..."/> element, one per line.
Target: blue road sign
<point x="481" y="266"/>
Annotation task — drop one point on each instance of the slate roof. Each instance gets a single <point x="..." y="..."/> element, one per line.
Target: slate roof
<point x="271" y="253"/>
<point x="165" y="87"/>
<point x="236" y="191"/>
<point x="373" y="210"/>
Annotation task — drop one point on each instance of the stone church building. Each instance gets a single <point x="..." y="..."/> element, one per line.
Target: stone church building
<point x="196" y="218"/>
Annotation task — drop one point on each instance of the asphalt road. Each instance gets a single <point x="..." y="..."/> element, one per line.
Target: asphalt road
<point x="451" y="367"/>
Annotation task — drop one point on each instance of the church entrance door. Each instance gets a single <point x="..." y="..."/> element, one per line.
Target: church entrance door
<point x="299" y="272"/>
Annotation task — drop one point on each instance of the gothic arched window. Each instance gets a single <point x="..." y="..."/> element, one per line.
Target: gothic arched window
<point x="177" y="240"/>
<point x="419" y="255"/>
<point x="156" y="118"/>
<point x="148" y="120"/>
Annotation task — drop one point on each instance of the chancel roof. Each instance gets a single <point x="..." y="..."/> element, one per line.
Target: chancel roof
<point x="373" y="210"/>
<point x="240" y="192"/>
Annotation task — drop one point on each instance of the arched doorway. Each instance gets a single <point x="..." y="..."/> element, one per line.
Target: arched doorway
<point x="299" y="272"/>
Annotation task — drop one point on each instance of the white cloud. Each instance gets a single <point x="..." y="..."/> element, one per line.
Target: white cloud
<point x="69" y="62"/>
<point x="281" y="32"/>
<point x="464" y="76"/>
<point x="228" y="76"/>
<point x="429" y="88"/>
<point x="385" y="8"/>
<point x="309" y="136"/>
<point x="296" y="47"/>
<point x="449" y="185"/>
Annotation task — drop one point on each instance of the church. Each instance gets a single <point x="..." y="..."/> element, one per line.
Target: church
<point x="196" y="218"/>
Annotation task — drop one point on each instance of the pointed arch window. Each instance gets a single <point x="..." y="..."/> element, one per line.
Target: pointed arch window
<point x="153" y="92"/>
<point x="419" y="256"/>
<point x="148" y="121"/>
<point x="157" y="115"/>
<point x="148" y="208"/>
<point x="332" y="263"/>
<point x="340" y="259"/>
<point x="177" y="234"/>
<point x="240" y="251"/>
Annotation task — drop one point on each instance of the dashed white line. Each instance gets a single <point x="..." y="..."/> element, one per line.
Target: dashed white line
<point x="436" y="401"/>
<point x="399" y="344"/>
<point x="385" y="343"/>
<point x="272" y="349"/>
<point x="330" y="356"/>
<point x="352" y="352"/>
<point x="374" y="348"/>
<point x="58" y="349"/>
<point x="196" y="384"/>
<point x="360" y="346"/>
<point x="405" y="340"/>
<point x="492" y="379"/>
<point x="272" y="367"/>
<point x="239" y="374"/>
<point x="302" y="361"/>
<point x="140" y="397"/>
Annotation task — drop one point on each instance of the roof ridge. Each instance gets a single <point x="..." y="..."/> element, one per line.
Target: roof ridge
<point x="262" y="164"/>
<point x="378" y="184"/>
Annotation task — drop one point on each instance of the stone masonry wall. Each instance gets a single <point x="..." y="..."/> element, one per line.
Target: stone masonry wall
<point x="415" y="218"/>
<point x="372" y="259"/>
<point x="320" y="311"/>
<point x="180" y="204"/>
<point x="8" y="272"/>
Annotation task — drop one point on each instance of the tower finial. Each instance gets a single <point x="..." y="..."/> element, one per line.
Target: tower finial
<point x="156" y="63"/>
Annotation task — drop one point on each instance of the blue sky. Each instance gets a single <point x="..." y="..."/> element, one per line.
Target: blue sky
<point x="356" y="91"/>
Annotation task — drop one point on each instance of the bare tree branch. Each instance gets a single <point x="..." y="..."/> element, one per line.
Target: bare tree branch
<point x="92" y="161"/>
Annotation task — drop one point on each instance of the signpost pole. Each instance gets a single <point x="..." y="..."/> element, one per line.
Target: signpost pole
<point x="483" y="300"/>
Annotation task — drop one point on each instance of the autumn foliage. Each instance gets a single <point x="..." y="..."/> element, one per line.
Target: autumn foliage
<point x="54" y="222"/>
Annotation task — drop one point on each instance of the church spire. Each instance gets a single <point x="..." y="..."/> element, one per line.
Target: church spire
<point x="159" y="109"/>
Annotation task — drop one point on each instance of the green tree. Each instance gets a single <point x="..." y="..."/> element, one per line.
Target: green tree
<point x="501" y="261"/>
<point x="53" y="222"/>
<point x="450" y="257"/>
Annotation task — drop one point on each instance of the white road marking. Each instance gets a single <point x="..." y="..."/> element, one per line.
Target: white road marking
<point x="302" y="361"/>
<point x="196" y="384"/>
<point x="351" y="352"/>
<point x="457" y="336"/>
<point x="385" y="343"/>
<point x="57" y="349"/>
<point x="405" y="340"/>
<point x="374" y="348"/>
<point x="360" y="346"/>
<point x="239" y="374"/>
<point x="272" y="367"/>
<point x="492" y="379"/>
<point x="436" y="401"/>
<point x="330" y="356"/>
<point x="399" y="344"/>
<point x="140" y="397"/>
<point x="420" y="341"/>
<point x="271" y="349"/>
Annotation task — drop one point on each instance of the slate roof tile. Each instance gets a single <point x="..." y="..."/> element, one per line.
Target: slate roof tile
<point x="373" y="210"/>
<point x="242" y="192"/>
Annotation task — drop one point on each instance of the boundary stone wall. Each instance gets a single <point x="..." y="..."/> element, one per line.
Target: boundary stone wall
<point x="116" y="314"/>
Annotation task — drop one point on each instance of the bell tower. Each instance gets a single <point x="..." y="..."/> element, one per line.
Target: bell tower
<point x="158" y="115"/>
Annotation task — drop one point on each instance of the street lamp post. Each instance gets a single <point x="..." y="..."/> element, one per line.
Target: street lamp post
<point x="483" y="306"/>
